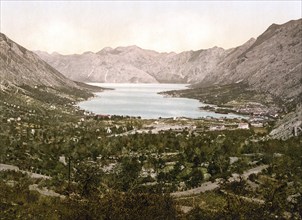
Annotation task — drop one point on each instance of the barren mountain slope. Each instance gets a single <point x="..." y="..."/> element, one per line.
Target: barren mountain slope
<point x="21" y="66"/>
<point x="273" y="63"/>
<point x="133" y="64"/>
<point x="24" y="73"/>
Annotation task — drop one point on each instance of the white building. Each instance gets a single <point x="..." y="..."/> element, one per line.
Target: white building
<point x="243" y="126"/>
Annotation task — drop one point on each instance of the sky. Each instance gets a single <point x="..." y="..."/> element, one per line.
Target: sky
<point x="70" y="27"/>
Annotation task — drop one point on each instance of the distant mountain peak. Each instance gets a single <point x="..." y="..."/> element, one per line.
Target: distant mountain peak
<point x="131" y="47"/>
<point x="105" y="49"/>
<point x="87" y="52"/>
<point x="55" y="53"/>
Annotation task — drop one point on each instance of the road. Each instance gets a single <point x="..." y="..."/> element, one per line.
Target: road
<point x="4" y="167"/>
<point x="209" y="186"/>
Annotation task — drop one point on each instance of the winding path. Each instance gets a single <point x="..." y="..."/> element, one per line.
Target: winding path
<point x="209" y="186"/>
<point x="4" y="167"/>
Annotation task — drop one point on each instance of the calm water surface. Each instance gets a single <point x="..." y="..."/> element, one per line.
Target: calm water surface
<point x="143" y="100"/>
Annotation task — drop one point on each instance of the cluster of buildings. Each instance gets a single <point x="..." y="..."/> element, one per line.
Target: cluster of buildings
<point x="259" y="110"/>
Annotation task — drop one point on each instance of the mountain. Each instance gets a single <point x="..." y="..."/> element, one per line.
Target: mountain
<point x="133" y="64"/>
<point x="21" y="66"/>
<point x="22" y="71"/>
<point x="272" y="63"/>
<point x="108" y="65"/>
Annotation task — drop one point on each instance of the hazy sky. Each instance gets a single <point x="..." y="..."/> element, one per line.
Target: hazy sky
<point x="77" y="26"/>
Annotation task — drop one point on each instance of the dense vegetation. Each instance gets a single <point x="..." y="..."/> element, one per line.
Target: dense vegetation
<point x="99" y="171"/>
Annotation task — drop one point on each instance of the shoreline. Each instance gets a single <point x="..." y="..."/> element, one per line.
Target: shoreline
<point x="157" y="109"/>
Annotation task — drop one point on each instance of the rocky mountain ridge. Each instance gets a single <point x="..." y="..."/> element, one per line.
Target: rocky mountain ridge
<point x="24" y="73"/>
<point x="271" y="63"/>
<point x="135" y="65"/>
<point x="21" y="66"/>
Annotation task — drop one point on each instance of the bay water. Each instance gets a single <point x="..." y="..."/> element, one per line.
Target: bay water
<point x="143" y="100"/>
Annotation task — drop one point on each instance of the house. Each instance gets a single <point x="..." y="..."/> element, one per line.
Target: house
<point x="9" y="120"/>
<point x="62" y="159"/>
<point x="104" y="116"/>
<point x="213" y="128"/>
<point x="257" y="124"/>
<point x="108" y="131"/>
<point x="243" y="126"/>
<point x="217" y="128"/>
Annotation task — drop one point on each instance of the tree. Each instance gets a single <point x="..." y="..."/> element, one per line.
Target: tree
<point x="130" y="169"/>
<point x="88" y="176"/>
<point x="219" y="164"/>
<point x="196" y="177"/>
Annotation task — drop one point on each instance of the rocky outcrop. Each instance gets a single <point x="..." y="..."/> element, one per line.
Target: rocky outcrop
<point x="289" y="126"/>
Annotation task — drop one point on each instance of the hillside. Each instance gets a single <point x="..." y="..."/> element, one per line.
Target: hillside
<point x="21" y="66"/>
<point x="272" y="63"/>
<point x="24" y="73"/>
<point x="288" y="126"/>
